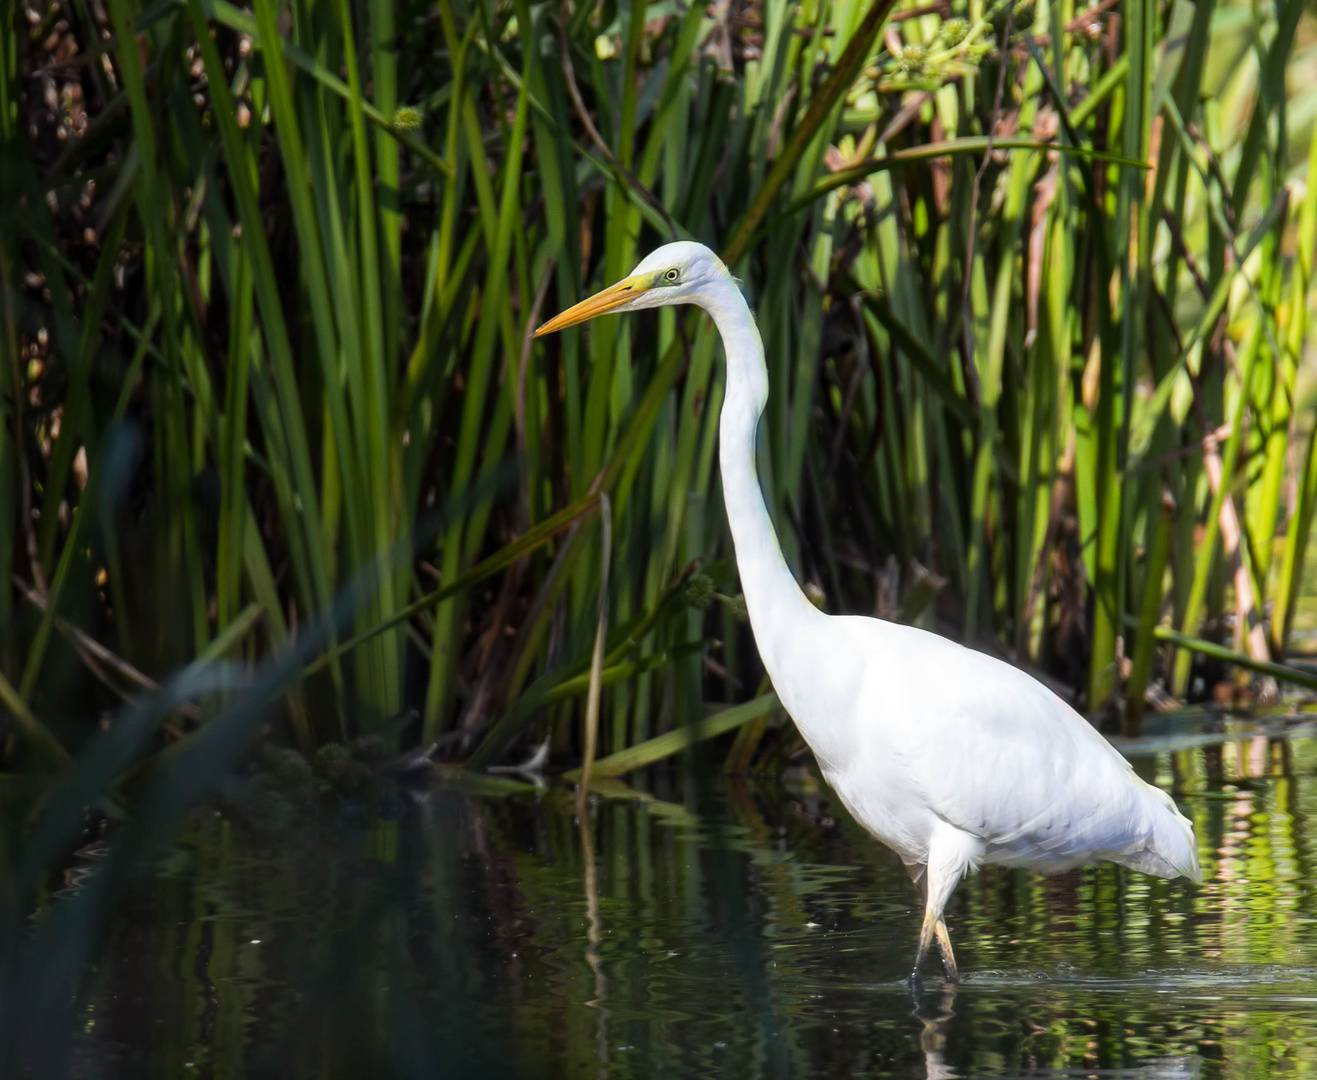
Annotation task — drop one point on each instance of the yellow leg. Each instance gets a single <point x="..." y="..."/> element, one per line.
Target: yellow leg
<point x="948" y="858"/>
<point x="944" y="947"/>
<point x="926" y="933"/>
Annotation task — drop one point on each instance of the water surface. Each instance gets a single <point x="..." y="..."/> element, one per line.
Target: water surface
<point x="720" y="927"/>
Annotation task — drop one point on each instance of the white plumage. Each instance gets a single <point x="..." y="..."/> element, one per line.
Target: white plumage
<point x="950" y="757"/>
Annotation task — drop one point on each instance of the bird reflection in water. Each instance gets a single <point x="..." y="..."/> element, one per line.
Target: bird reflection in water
<point x="933" y="1013"/>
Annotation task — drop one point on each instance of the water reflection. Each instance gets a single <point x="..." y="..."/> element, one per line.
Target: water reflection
<point x="743" y="929"/>
<point x="933" y="1013"/>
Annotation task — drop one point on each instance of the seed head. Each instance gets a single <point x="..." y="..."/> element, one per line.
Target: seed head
<point x="953" y="32"/>
<point x="407" y="118"/>
<point x="699" y="590"/>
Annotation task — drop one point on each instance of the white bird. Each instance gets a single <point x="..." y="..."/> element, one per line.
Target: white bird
<point x="951" y="758"/>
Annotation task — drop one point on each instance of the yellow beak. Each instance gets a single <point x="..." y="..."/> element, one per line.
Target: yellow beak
<point x="601" y="303"/>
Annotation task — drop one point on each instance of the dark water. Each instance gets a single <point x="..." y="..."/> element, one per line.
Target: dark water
<point x="727" y="928"/>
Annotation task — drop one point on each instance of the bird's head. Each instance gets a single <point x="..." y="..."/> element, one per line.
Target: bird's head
<point x="677" y="273"/>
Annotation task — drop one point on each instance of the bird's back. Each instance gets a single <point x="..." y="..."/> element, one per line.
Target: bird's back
<point x="934" y="734"/>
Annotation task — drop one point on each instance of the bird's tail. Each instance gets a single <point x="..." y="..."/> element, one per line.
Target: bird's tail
<point x="1171" y="849"/>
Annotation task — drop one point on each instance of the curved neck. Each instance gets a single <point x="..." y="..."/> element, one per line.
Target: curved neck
<point x="772" y="596"/>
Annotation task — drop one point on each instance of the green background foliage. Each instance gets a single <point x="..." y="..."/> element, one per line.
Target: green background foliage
<point x="278" y="457"/>
<point x="1033" y="282"/>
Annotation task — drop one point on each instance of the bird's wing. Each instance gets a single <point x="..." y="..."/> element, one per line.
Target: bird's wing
<point x="990" y="750"/>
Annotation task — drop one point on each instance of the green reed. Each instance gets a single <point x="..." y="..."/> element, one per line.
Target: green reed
<point x="1033" y="284"/>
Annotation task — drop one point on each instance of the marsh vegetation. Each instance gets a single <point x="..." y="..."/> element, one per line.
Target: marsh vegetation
<point x="280" y="466"/>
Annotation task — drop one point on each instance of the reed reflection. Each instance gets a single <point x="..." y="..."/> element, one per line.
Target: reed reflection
<point x="749" y="921"/>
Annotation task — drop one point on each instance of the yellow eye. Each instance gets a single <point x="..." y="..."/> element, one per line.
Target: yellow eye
<point x="672" y="274"/>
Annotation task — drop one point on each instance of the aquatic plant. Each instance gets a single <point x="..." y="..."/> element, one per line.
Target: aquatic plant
<point x="1035" y="283"/>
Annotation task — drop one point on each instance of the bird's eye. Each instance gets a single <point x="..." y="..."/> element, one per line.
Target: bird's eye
<point x="672" y="274"/>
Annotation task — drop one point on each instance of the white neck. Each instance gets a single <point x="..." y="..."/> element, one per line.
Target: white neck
<point x="775" y="603"/>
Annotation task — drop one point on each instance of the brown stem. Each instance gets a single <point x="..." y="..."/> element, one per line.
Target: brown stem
<point x="583" y="115"/>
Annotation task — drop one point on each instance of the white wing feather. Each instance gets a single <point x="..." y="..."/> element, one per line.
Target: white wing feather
<point x="941" y="733"/>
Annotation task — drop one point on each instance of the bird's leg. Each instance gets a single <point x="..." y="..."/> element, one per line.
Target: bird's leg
<point x="920" y="881"/>
<point x="926" y="933"/>
<point x="944" y="947"/>
<point x="947" y="860"/>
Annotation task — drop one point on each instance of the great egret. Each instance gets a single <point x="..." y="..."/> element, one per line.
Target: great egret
<point x="950" y="757"/>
